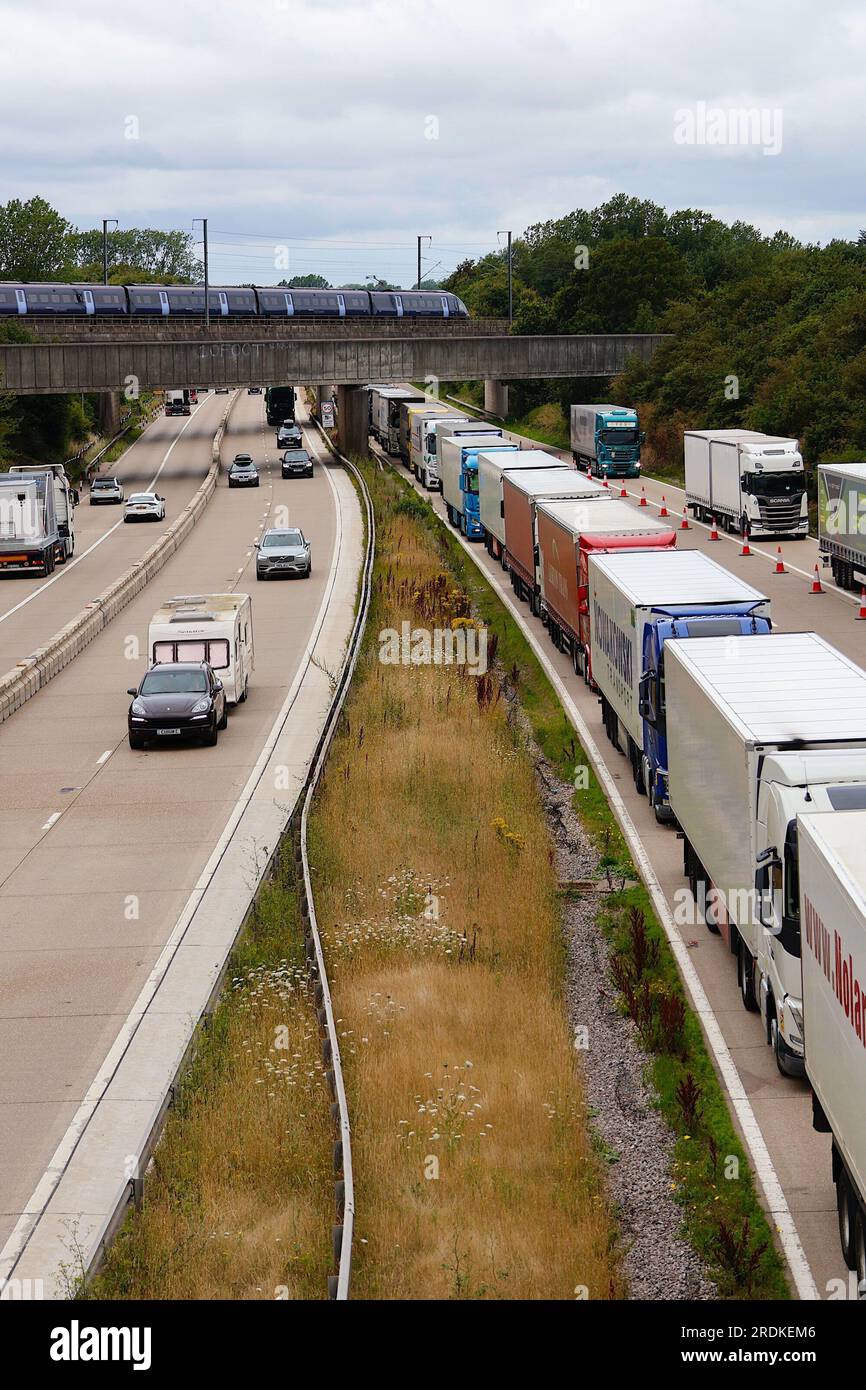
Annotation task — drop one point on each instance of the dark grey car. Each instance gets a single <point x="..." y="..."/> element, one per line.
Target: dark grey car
<point x="284" y="552"/>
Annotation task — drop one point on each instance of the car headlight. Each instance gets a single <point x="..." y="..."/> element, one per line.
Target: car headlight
<point x="137" y="707"/>
<point x="202" y="706"/>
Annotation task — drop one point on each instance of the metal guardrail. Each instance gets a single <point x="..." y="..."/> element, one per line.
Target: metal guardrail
<point x="343" y="1230"/>
<point x="127" y="422"/>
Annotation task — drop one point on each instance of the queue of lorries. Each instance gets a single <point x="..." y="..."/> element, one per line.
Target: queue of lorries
<point x="750" y="742"/>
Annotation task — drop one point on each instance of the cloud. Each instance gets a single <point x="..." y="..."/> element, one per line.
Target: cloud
<point x="313" y="121"/>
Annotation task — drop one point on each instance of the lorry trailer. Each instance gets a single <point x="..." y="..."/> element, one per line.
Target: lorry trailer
<point x="833" y="914"/>
<point x="766" y="728"/>
<point x="177" y="402"/>
<point x="522" y="490"/>
<point x="216" y="628"/>
<point x="842" y="521"/>
<point x="458" y="467"/>
<point x="407" y="411"/>
<point x="65" y="501"/>
<point x="568" y="532"/>
<point x="606" y="440"/>
<point x="423" y="460"/>
<point x="492" y="469"/>
<point x="637" y="601"/>
<point x="386" y="414"/>
<point x="30" y="539"/>
<point x="748" y="482"/>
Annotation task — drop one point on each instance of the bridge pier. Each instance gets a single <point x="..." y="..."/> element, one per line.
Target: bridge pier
<point x="496" y="398"/>
<point x="352" y="420"/>
<point x="323" y="393"/>
<point x="109" y="413"/>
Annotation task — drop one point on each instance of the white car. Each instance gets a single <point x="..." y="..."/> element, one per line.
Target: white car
<point x="144" y="506"/>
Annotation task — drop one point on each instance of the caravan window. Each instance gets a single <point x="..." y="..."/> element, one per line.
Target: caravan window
<point x="215" y="652"/>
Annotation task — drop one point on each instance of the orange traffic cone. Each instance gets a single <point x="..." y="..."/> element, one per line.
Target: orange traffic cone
<point x="714" y="533"/>
<point x="664" y="507"/>
<point x="623" y="492"/>
<point x="684" y="524"/>
<point x="643" y="497"/>
<point x="604" y="482"/>
<point x="780" y="564"/>
<point x="861" y="616"/>
<point x="745" y="550"/>
<point x="817" y="586"/>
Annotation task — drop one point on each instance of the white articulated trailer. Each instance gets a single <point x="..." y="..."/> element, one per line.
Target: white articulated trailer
<point x="766" y="728"/>
<point x="747" y="482"/>
<point x="833" y="913"/>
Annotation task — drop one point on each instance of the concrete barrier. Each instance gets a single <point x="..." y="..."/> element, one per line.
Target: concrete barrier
<point x="30" y="676"/>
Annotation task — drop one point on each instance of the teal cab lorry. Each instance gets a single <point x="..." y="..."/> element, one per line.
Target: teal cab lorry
<point x="606" y="440"/>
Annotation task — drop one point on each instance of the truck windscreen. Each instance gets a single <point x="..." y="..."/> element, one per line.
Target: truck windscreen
<point x="774" y="484"/>
<point x="619" y="438"/>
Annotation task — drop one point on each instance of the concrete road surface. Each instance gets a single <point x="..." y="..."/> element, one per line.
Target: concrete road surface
<point x="102" y="845"/>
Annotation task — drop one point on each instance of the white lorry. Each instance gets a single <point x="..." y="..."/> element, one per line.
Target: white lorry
<point x="217" y="628"/>
<point x="423" y="460"/>
<point x="833" y="913"/>
<point x="766" y="729"/>
<point x="750" y="483"/>
<point x="638" y="601"/>
<point x="385" y="423"/>
<point x="29" y="537"/>
<point x="65" y="501"/>
<point x="842" y="522"/>
<point x="492" y="466"/>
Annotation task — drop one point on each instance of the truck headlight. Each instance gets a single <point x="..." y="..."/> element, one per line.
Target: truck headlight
<point x="795" y="1008"/>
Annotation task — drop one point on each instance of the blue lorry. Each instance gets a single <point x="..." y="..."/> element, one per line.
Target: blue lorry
<point x="458" y="469"/>
<point x="639" y="600"/>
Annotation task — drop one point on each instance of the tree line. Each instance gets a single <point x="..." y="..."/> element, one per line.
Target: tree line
<point x="768" y="333"/>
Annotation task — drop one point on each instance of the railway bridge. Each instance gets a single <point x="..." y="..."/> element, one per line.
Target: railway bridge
<point x="131" y="355"/>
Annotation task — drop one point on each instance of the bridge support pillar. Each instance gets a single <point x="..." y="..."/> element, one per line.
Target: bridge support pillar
<point x="496" y="398"/>
<point x="323" y="393"/>
<point x="109" y="413"/>
<point x="352" y="420"/>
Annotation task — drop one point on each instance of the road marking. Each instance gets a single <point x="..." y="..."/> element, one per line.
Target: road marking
<point x="105" y="756"/>
<point x="52" y="820"/>
<point x="70" y="564"/>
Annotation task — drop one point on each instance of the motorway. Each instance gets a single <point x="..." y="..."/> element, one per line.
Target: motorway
<point x="172" y="456"/>
<point x="782" y="1106"/>
<point x="102" y="846"/>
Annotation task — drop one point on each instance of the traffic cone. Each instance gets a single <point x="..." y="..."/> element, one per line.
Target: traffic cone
<point x="664" y="507"/>
<point x="643" y="497"/>
<point x="684" y="524"/>
<point x="817" y="586"/>
<point x="604" y="482"/>
<point x="780" y="564"/>
<point x="714" y="533"/>
<point x="861" y="616"/>
<point x="745" y="550"/>
<point x="623" y="492"/>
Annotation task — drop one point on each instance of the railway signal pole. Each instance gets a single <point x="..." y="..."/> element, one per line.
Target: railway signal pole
<point x="105" y="222"/>
<point x="510" y="280"/>
<point x="421" y="238"/>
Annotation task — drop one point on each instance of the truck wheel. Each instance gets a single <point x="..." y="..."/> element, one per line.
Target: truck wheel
<point x="746" y="977"/>
<point x="845" y="1209"/>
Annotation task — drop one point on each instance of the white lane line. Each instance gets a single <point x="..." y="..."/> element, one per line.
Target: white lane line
<point x="70" y="564"/>
<point x="52" y="820"/>
<point x="34" y="1209"/>
<point x="780" y="1212"/>
<point x="105" y="756"/>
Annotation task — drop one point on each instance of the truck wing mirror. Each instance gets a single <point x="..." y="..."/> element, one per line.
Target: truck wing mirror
<point x="644" y="700"/>
<point x="768" y="883"/>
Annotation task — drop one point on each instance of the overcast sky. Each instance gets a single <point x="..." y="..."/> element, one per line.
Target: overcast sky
<point x="342" y="128"/>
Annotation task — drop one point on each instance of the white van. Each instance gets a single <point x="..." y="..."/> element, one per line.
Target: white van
<point x="217" y="628"/>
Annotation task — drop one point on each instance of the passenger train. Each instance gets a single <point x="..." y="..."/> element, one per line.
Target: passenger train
<point x="37" y="299"/>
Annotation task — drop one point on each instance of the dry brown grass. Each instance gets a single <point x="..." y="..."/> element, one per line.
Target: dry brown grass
<point x="437" y="897"/>
<point x="239" y="1202"/>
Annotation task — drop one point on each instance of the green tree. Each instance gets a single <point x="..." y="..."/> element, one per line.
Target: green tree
<point x="36" y="243"/>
